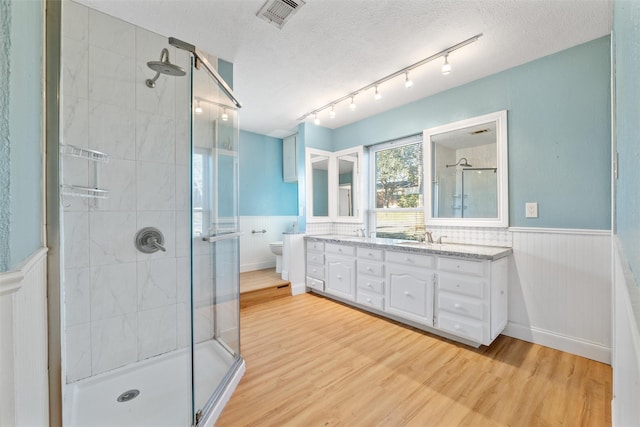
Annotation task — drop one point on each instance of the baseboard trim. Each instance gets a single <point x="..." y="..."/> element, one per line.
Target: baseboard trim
<point x="298" y="288"/>
<point x="257" y="266"/>
<point x="560" y="342"/>
<point x="11" y="281"/>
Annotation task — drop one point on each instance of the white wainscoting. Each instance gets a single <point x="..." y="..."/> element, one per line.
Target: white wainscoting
<point x="625" y="410"/>
<point x="560" y="290"/>
<point x="254" y="247"/>
<point x="24" y="389"/>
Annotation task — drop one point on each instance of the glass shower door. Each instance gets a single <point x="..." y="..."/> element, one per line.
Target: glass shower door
<point x="215" y="241"/>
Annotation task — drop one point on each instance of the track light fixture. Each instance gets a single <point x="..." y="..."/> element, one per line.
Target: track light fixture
<point x="407" y="81"/>
<point x="316" y="120"/>
<point x="198" y="109"/>
<point x="378" y="95"/>
<point x="446" y="69"/>
<point x="224" y="116"/>
<point x="332" y="113"/>
<point x="352" y="105"/>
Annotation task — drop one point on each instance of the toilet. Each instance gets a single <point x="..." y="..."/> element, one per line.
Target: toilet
<point x="276" y="249"/>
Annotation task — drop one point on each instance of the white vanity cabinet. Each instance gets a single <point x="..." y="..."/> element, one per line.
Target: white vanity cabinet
<point x="340" y="271"/>
<point x="410" y="282"/>
<point x="454" y="294"/>
<point x="472" y="298"/>
<point x="370" y="278"/>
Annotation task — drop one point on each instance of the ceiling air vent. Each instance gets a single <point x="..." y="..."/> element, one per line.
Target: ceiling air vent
<point x="278" y="12"/>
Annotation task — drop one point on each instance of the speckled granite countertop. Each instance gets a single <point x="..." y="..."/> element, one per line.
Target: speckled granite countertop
<point x="449" y="249"/>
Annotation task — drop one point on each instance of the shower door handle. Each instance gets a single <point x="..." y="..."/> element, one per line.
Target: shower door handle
<point x="221" y="236"/>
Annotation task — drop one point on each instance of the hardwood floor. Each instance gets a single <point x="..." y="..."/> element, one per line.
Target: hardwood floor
<point x="315" y="362"/>
<point x="260" y="286"/>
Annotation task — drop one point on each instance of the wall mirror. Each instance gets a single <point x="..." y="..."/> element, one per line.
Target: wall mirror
<point x="467" y="162"/>
<point x="348" y="184"/>
<point x="318" y="184"/>
<point x="334" y="185"/>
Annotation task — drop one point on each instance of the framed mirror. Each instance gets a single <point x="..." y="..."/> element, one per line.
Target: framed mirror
<point x="348" y="184"/>
<point x="468" y="166"/>
<point x="318" y="202"/>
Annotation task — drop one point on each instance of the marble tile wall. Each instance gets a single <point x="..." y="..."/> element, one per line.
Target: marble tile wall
<point x="122" y="305"/>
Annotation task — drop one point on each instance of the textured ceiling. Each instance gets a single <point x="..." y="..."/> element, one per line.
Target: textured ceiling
<point x="333" y="47"/>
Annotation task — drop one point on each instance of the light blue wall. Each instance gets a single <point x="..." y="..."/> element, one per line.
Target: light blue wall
<point x="262" y="189"/>
<point x="318" y="137"/>
<point x="626" y="36"/>
<point x="21" y="152"/>
<point x="559" y="132"/>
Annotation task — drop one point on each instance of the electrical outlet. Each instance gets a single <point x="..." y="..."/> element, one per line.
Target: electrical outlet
<point x="531" y="210"/>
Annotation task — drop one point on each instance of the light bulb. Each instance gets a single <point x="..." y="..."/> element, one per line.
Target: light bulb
<point x="353" y="105"/>
<point x="316" y="120"/>
<point x="198" y="109"/>
<point x="224" y="116"/>
<point x="407" y="81"/>
<point x="332" y="113"/>
<point x="377" y="95"/>
<point x="446" y="67"/>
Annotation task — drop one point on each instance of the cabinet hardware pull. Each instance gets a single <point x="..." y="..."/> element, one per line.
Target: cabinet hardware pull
<point x="456" y="305"/>
<point x="407" y="293"/>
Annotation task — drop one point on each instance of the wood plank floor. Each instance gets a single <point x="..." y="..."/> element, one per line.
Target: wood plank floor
<point x="260" y="279"/>
<point x="314" y="362"/>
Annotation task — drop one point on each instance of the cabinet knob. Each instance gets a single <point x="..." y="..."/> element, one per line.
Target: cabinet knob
<point x="339" y="277"/>
<point x="369" y="300"/>
<point x="407" y="259"/>
<point x="457" y="327"/>
<point x="407" y="293"/>
<point x="456" y="305"/>
<point x="369" y="285"/>
<point x="369" y="269"/>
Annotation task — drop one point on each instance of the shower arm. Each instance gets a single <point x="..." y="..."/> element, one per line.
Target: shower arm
<point x="202" y="59"/>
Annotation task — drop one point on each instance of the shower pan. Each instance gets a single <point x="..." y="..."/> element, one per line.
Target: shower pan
<point x="149" y="265"/>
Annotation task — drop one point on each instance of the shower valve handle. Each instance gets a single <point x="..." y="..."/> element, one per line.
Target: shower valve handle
<point x="154" y="242"/>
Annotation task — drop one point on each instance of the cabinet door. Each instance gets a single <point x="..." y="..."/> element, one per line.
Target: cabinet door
<point x="341" y="277"/>
<point x="410" y="293"/>
<point x="289" y="159"/>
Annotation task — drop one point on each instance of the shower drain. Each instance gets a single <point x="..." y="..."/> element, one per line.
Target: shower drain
<point x="128" y="395"/>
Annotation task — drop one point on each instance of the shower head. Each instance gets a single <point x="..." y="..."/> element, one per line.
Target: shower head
<point x="164" y="66"/>
<point x="462" y="162"/>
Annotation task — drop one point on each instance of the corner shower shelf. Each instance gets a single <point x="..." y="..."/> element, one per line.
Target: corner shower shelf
<point x="88" y="192"/>
<point x="84" y="153"/>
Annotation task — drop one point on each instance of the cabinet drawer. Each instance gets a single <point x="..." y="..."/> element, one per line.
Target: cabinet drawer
<point x="375" y="301"/>
<point x="370" y="284"/>
<point x="462" y="266"/>
<point x="467" y="328"/>
<point x="461" y="285"/>
<point x="340" y="249"/>
<point x="372" y="254"/>
<point x="315" y="258"/>
<point x="460" y="305"/>
<point x="371" y="268"/>
<point x="410" y="258"/>
<point x="315" y="246"/>
<point x="315" y="271"/>
<point x="315" y="283"/>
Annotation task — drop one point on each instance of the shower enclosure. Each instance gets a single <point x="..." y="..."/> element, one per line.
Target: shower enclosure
<point x="149" y="257"/>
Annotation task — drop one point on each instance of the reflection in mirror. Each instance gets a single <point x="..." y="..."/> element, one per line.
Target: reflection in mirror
<point x="468" y="169"/>
<point x="320" y="185"/>
<point x="347" y="170"/>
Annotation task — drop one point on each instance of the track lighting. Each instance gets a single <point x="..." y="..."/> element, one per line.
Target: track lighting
<point x="198" y="109"/>
<point x="224" y="116"/>
<point x="446" y="69"/>
<point x="407" y="81"/>
<point x="353" y="105"/>
<point x="378" y="95"/>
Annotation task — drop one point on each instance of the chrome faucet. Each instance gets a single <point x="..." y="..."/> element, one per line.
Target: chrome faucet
<point x="439" y="241"/>
<point x="428" y="236"/>
<point x="361" y="232"/>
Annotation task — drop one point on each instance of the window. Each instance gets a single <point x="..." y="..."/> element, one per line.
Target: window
<point x="397" y="197"/>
